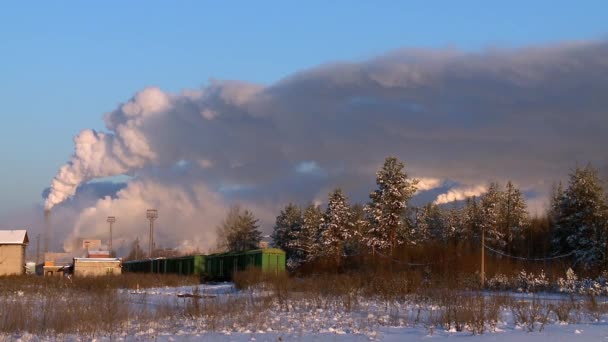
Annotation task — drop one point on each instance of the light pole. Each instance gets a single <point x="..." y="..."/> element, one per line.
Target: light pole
<point x="110" y="220"/>
<point x="151" y="214"/>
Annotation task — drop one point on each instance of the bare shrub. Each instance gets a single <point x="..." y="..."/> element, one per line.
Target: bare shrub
<point x="531" y="314"/>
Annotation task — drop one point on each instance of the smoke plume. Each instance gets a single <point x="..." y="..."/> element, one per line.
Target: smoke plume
<point x="527" y="115"/>
<point x="460" y="193"/>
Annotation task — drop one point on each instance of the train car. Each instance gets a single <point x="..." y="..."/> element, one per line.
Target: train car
<point x="186" y="265"/>
<point x="222" y="266"/>
<point x="212" y="267"/>
<point x="137" y="266"/>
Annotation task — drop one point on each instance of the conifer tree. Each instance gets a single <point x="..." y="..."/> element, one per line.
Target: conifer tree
<point x="581" y="218"/>
<point x="336" y="227"/>
<point x="490" y="216"/>
<point x="308" y="240"/>
<point x="239" y="231"/>
<point x="388" y="207"/>
<point x="286" y="228"/>
<point x="514" y="214"/>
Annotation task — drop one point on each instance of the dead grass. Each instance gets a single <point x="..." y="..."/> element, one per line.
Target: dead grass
<point x="95" y="307"/>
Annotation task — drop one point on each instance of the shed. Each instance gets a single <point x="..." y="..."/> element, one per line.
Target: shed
<point x="97" y="266"/>
<point x="12" y="251"/>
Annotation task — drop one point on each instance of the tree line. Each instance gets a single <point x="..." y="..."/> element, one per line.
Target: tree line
<point x="575" y="225"/>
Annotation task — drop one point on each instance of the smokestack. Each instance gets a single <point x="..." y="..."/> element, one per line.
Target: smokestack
<point x="47" y="230"/>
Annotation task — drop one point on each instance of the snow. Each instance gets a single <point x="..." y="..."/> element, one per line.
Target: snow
<point x="13" y="237"/>
<point x="306" y="319"/>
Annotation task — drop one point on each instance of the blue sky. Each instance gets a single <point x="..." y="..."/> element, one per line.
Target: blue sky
<point x="64" y="64"/>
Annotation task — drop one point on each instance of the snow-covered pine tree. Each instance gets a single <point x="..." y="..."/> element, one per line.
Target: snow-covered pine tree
<point x="436" y="223"/>
<point x="454" y="223"/>
<point x="490" y="216"/>
<point x="421" y="231"/>
<point x="359" y="227"/>
<point x="307" y="240"/>
<point x="387" y="208"/>
<point x="582" y="216"/>
<point x="336" y="227"/>
<point x="559" y="231"/>
<point x="513" y="214"/>
<point x="471" y="219"/>
<point x="286" y="229"/>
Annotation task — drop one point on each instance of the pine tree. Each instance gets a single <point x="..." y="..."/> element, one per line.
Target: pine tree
<point x="287" y="227"/>
<point x="472" y="221"/>
<point x="490" y="216"/>
<point x="308" y="240"/>
<point x="336" y="228"/>
<point x="513" y="215"/>
<point x="581" y="218"/>
<point x="239" y="231"/>
<point x="359" y="227"/>
<point x="388" y="207"/>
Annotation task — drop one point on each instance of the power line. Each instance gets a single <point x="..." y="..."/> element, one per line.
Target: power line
<point x="527" y="259"/>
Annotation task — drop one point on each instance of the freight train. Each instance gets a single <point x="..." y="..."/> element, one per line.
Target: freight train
<point x="218" y="266"/>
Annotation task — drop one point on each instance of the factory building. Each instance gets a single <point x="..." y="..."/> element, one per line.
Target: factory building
<point x="12" y="251"/>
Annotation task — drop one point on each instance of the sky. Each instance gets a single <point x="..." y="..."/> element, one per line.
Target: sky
<point x="66" y="64"/>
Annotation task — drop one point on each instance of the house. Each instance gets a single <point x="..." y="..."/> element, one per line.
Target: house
<point x="12" y="251"/>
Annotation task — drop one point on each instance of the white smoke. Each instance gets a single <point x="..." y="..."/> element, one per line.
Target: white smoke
<point x="453" y="115"/>
<point x="426" y="184"/>
<point x="460" y="193"/>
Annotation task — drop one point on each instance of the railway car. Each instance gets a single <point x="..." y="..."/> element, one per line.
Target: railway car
<point x="222" y="266"/>
<point x="219" y="266"/>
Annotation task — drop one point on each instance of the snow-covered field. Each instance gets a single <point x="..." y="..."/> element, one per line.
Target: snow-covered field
<point x="231" y="315"/>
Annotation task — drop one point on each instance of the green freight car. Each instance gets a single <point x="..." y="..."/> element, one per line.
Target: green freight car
<point x="222" y="266"/>
<point x="212" y="267"/>
<point x="187" y="265"/>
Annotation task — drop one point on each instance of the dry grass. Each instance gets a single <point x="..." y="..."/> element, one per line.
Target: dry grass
<point x="94" y="307"/>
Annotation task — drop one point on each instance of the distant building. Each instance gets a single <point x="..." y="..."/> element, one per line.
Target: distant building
<point x="98" y="254"/>
<point x="91" y="244"/>
<point x="55" y="263"/>
<point x="12" y="251"/>
<point x="97" y="266"/>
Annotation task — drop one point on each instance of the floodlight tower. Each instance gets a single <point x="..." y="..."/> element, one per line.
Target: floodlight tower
<point x="110" y="220"/>
<point x="151" y="214"/>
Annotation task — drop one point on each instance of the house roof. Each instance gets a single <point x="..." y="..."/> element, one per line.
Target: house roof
<point x="14" y="237"/>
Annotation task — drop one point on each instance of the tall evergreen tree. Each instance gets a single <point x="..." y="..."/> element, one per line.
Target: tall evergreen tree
<point x="513" y="215"/>
<point x="581" y="218"/>
<point x="336" y="228"/>
<point x="308" y="240"/>
<point x="286" y="229"/>
<point x="359" y="227"/>
<point x="490" y="216"/>
<point x="387" y="208"/>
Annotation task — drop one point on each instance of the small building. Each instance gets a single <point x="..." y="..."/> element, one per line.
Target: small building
<point x="98" y="254"/>
<point x="91" y="244"/>
<point x="12" y="251"/>
<point x="55" y="263"/>
<point x="97" y="266"/>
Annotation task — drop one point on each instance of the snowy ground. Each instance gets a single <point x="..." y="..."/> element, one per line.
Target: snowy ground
<point x="309" y="320"/>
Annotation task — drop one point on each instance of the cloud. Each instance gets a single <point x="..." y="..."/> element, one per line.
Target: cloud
<point x="526" y="114"/>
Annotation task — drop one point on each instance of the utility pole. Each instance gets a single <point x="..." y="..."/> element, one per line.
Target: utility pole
<point x="483" y="259"/>
<point x="151" y="214"/>
<point x="37" y="249"/>
<point x="110" y="220"/>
